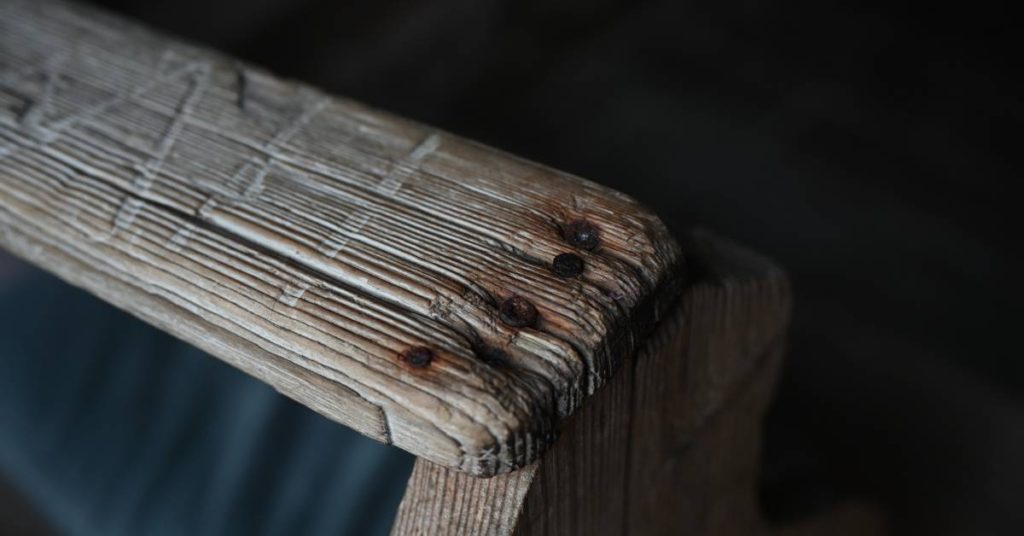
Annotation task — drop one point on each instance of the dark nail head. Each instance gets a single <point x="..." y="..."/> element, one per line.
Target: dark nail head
<point x="492" y="356"/>
<point x="417" y="357"/>
<point x="567" y="265"/>
<point x="582" y="234"/>
<point x="517" y="312"/>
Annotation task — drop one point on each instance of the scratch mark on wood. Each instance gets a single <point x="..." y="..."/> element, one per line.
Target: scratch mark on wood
<point x="32" y="118"/>
<point x="181" y="238"/>
<point x="308" y="114"/>
<point x="136" y="235"/>
<point x="389" y="185"/>
<point x="292" y="293"/>
<point x="426" y="147"/>
<point x="147" y="171"/>
<point x="204" y="211"/>
<point x="184" y="234"/>
<point x="393" y="182"/>
<point x="265" y="156"/>
<point x="58" y="127"/>
<point x="123" y="220"/>
<point x="131" y="206"/>
<point x="333" y="245"/>
<point x="255" y="185"/>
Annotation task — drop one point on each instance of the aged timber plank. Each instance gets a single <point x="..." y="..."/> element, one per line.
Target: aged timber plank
<point x="360" y="263"/>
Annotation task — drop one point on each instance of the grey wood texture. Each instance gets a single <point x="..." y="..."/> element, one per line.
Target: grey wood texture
<point x="314" y="242"/>
<point x="671" y="445"/>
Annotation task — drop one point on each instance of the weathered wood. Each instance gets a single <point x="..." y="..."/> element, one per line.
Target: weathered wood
<point x="441" y="501"/>
<point x="669" y="446"/>
<point x="314" y="242"/>
<point x="700" y="389"/>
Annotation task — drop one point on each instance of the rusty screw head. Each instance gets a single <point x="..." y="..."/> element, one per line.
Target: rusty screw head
<point x="567" y="265"/>
<point x="582" y="234"/>
<point x="517" y="312"/>
<point x="417" y="356"/>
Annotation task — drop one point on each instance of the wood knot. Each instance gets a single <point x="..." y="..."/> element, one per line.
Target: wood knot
<point x="582" y="234"/>
<point x="517" y="312"/>
<point x="417" y="356"/>
<point x="567" y="265"/>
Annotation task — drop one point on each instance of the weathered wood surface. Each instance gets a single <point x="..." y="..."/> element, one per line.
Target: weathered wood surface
<point x="313" y="242"/>
<point x="669" y="446"/>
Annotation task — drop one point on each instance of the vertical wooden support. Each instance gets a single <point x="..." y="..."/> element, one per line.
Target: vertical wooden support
<point x="669" y="446"/>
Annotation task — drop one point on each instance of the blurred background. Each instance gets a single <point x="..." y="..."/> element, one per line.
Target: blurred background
<point x="866" y="148"/>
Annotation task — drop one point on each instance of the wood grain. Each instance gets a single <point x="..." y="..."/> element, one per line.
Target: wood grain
<point x="311" y="241"/>
<point x="669" y="446"/>
<point x="440" y="501"/>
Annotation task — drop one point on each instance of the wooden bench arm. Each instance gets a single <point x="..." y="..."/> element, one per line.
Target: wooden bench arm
<point x="425" y="290"/>
<point x="397" y="279"/>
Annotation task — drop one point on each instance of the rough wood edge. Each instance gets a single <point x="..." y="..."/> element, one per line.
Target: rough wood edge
<point x="675" y="431"/>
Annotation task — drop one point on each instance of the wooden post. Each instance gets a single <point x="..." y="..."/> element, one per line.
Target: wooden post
<point x="669" y="446"/>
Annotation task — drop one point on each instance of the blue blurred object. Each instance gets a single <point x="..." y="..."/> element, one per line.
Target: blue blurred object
<point x="112" y="427"/>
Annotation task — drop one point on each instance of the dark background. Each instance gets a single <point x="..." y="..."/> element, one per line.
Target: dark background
<point x="869" y="149"/>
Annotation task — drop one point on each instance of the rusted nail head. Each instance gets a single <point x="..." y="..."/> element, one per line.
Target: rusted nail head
<point x="492" y="356"/>
<point x="517" y="312"/>
<point x="567" y="265"/>
<point x="417" y="356"/>
<point x="582" y="234"/>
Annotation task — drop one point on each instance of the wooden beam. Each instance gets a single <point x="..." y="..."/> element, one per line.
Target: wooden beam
<point x="362" y="264"/>
<point x="671" y="444"/>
